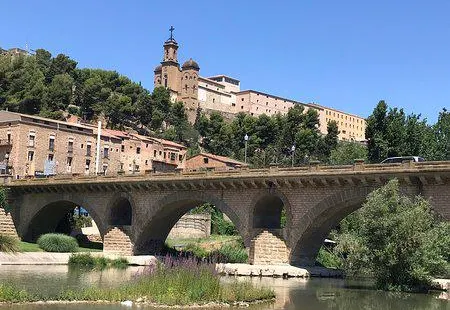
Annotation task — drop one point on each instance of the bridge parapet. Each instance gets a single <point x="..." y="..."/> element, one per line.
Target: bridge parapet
<point x="302" y="171"/>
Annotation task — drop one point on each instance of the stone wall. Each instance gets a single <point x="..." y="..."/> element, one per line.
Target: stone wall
<point x="268" y="248"/>
<point x="6" y="224"/>
<point x="117" y="241"/>
<point x="192" y="226"/>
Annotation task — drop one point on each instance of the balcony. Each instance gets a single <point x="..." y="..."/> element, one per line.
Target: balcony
<point x="70" y="149"/>
<point x="31" y="143"/>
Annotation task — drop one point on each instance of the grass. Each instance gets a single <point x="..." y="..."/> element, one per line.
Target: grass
<point x="175" y="282"/>
<point x="87" y="261"/>
<point x="33" y="247"/>
<point x="210" y="241"/>
<point x="216" y="248"/>
<point x="9" y="243"/>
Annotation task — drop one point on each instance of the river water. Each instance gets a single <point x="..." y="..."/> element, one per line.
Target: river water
<point x="298" y="294"/>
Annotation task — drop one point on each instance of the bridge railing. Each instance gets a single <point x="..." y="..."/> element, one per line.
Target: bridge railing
<point x="312" y="168"/>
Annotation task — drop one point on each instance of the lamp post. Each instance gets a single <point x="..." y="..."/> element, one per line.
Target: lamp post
<point x="292" y="154"/>
<point x="245" y="151"/>
<point x="7" y="163"/>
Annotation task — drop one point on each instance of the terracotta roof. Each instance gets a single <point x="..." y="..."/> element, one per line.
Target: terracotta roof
<point x="117" y="133"/>
<point x="222" y="159"/>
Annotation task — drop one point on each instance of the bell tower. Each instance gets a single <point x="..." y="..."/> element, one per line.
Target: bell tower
<point x="170" y="75"/>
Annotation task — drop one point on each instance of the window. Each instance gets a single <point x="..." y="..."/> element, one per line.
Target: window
<point x="88" y="163"/>
<point x="154" y="153"/>
<point x="205" y="160"/>
<point x="82" y="145"/>
<point x="9" y="138"/>
<point x="122" y="148"/>
<point x="69" y="164"/>
<point x="146" y="145"/>
<point x="180" y="157"/>
<point x="160" y="152"/>
<point x="146" y="162"/>
<point x="50" y="157"/>
<point x="242" y="107"/>
<point x="106" y="152"/>
<point x="30" y="155"/>
<point x="172" y="156"/>
<point x="138" y="150"/>
<point x="233" y="104"/>
<point x="105" y="168"/>
<point x="242" y="99"/>
<point x="214" y="100"/>
<point x="164" y="154"/>
<point x="31" y="139"/>
<point x="70" y="147"/>
<point x="88" y="149"/>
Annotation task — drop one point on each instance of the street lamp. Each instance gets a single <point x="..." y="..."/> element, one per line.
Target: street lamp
<point x="7" y="163"/>
<point x="245" y="151"/>
<point x="292" y="154"/>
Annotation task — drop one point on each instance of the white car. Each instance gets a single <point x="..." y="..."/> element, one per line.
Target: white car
<point x="392" y="160"/>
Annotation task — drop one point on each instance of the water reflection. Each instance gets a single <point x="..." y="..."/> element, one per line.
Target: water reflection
<point x="298" y="294"/>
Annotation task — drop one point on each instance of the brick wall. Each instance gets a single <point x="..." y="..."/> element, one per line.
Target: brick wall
<point x="6" y="224"/>
<point x="117" y="241"/>
<point x="192" y="226"/>
<point x="268" y="248"/>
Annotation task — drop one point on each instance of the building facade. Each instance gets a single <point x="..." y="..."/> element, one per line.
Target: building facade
<point x="35" y="146"/>
<point x="207" y="161"/>
<point x="223" y="94"/>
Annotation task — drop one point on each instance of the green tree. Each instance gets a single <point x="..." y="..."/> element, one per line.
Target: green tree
<point x="327" y="144"/>
<point x="375" y="131"/>
<point x="397" y="239"/>
<point x="345" y="153"/>
<point x="59" y="92"/>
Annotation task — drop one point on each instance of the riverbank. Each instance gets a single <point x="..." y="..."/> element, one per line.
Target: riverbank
<point x="182" y="282"/>
<point x="245" y="270"/>
<point x="284" y="271"/>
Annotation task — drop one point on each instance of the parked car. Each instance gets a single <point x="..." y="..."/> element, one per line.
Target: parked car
<point x="400" y="159"/>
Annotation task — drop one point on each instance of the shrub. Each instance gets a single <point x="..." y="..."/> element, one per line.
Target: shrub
<point x="82" y="260"/>
<point x="87" y="261"/>
<point x="57" y="243"/>
<point x="8" y="243"/>
<point x="231" y="253"/>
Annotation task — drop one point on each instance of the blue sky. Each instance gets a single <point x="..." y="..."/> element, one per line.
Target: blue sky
<point x="343" y="54"/>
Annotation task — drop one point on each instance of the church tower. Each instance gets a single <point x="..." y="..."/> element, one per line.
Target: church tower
<point x="168" y="73"/>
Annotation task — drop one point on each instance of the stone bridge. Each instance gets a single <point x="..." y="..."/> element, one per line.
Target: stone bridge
<point x="135" y="213"/>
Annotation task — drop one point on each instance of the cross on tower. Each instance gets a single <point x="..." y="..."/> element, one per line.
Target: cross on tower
<point x="171" y="32"/>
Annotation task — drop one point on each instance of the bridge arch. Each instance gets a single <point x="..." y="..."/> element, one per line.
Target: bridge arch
<point x="45" y="217"/>
<point x="170" y="209"/>
<point x="316" y="224"/>
<point x="121" y="210"/>
<point x="267" y="209"/>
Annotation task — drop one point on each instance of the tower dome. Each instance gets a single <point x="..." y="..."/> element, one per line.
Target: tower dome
<point x="158" y="68"/>
<point x="191" y="64"/>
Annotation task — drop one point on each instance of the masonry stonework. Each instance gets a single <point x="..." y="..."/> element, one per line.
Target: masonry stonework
<point x="6" y="224"/>
<point x="268" y="248"/>
<point x="117" y="241"/>
<point x="192" y="226"/>
<point x="315" y="200"/>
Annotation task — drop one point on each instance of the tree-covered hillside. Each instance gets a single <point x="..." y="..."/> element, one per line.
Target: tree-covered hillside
<point x="54" y="87"/>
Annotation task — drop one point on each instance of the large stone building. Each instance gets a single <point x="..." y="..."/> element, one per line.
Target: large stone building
<point x="33" y="146"/>
<point x="223" y="93"/>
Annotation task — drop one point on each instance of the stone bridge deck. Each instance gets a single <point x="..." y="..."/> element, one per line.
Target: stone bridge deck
<point x="313" y="175"/>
